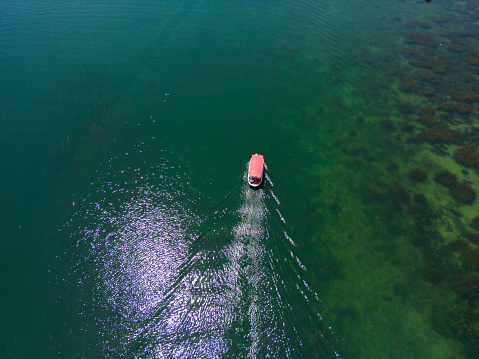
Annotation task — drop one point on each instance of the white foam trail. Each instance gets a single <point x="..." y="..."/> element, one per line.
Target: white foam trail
<point x="248" y="246"/>
<point x="269" y="180"/>
<point x="275" y="198"/>
<point x="289" y="239"/>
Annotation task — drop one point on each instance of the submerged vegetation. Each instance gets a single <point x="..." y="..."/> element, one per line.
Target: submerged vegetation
<point x="405" y="175"/>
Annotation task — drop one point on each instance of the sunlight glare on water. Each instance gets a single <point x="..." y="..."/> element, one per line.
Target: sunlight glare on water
<point x="132" y="246"/>
<point x="167" y="284"/>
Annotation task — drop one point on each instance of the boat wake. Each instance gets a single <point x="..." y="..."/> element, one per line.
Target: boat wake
<point x="235" y="287"/>
<point x="248" y="286"/>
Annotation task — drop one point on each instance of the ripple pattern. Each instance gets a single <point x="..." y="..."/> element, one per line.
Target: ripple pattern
<point x="165" y="283"/>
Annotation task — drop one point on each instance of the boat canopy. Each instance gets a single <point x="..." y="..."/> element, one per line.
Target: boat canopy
<point x="256" y="166"/>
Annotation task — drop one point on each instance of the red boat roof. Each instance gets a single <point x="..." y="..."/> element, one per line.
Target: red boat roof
<point x="256" y="166"/>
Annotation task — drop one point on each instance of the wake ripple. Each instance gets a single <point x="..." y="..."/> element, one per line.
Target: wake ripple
<point x="165" y="284"/>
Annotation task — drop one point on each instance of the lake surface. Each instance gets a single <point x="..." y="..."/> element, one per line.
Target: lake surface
<point x="128" y="229"/>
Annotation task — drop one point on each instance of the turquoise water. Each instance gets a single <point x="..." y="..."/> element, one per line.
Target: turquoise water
<point x="128" y="229"/>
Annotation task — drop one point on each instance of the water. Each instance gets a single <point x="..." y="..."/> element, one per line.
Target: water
<point x="128" y="229"/>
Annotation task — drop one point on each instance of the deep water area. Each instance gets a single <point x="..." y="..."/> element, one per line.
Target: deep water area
<point x="128" y="229"/>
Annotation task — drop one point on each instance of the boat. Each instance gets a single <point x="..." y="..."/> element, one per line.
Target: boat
<point x="255" y="170"/>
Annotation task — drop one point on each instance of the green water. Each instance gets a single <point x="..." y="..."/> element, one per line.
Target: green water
<point x="128" y="229"/>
